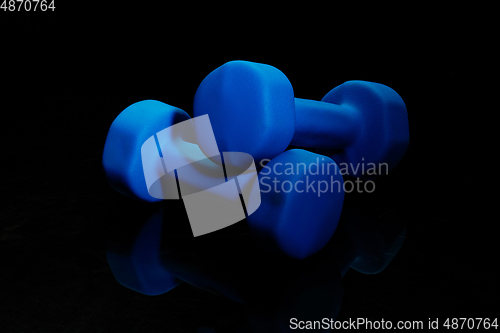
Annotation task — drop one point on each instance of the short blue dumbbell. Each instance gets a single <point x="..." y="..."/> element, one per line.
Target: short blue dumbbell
<point x="253" y="110"/>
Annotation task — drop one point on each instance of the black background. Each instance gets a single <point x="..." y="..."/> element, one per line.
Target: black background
<point x="66" y="75"/>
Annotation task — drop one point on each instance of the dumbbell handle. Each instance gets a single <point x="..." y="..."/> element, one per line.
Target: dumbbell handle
<point x="336" y="130"/>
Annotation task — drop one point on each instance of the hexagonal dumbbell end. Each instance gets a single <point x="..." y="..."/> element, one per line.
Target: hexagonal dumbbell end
<point x="376" y="119"/>
<point x="302" y="198"/>
<point x="129" y="131"/>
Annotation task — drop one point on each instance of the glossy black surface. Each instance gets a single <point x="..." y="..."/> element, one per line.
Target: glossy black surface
<point x="66" y="75"/>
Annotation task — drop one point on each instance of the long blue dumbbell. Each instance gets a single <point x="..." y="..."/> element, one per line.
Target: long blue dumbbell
<point x="253" y="110"/>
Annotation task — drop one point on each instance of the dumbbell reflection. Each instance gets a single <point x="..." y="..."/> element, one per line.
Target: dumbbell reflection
<point x="156" y="256"/>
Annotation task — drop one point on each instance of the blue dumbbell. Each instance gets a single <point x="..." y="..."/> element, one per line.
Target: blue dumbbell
<point x="253" y="110"/>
